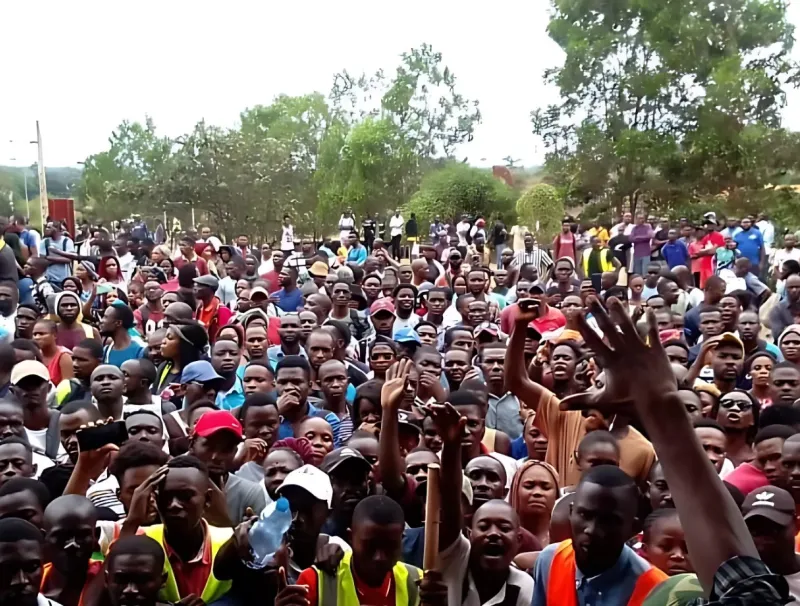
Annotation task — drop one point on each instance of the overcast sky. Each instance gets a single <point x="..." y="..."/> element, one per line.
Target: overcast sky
<point x="180" y="61"/>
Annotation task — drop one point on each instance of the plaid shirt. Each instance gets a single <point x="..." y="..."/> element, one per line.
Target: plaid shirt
<point x="746" y="581"/>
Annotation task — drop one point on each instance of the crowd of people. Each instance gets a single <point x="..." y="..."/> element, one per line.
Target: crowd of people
<point x="615" y="413"/>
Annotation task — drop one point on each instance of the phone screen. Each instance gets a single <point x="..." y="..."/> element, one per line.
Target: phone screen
<point x="93" y="438"/>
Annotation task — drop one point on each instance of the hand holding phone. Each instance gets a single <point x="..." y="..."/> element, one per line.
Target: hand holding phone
<point x="98" y="436"/>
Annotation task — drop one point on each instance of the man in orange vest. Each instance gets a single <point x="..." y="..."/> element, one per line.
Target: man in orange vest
<point x="596" y="566"/>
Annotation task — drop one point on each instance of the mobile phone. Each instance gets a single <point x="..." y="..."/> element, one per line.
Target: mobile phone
<point x="103" y="289"/>
<point x="93" y="438"/>
<point x="530" y="304"/>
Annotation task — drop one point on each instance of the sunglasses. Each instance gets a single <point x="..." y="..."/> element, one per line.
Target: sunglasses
<point x="743" y="406"/>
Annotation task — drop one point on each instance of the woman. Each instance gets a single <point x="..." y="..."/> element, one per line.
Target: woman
<point x="459" y="286"/>
<point x="759" y="366"/>
<point x="532" y="444"/>
<point x="664" y="542"/>
<point x="319" y="432"/>
<point x="789" y="344"/>
<point x="160" y="253"/>
<point x="183" y="344"/>
<point x="168" y="266"/>
<point x="534" y="491"/>
<point x="86" y="273"/>
<point x="216" y="266"/>
<point x="72" y="284"/>
<point x="372" y="288"/>
<point x="367" y="406"/>
<point x="738" y="415"/>
<point x="57" y="359"/>
<point x="111" y="274"/>
<point x="636" y="287"/>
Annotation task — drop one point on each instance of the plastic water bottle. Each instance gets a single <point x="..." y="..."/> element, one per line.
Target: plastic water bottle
<point x="267" y="533"/>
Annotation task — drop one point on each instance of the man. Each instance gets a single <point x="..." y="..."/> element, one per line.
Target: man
<point x="533" y="255"/>
<point x="396" y="224"/>
<point x="731" y="228"/>
<point x="711" y="436"/>
<point x="625" y="227"/>
<point x="17" y="457"/>
<point x="789" y="252"/>
<point x="786" y="383"/>
<point x="405" y="299"/>
<point x="341" y="295"/>
<point x="597" y="566"/>
<point x="116" y="322"/>
<point x="150" y="316"/>
<point x="597" y="260"/>
<point x="713" y="293"/>
<point x="504" y="407"/>
<point x="293" y="384"/>
<point x="356" y="253"/>
<point x="56" y="241"/>
<point x="243" y="247"/>
<point x="107" y="384"/>
<point x="749" y="328"/>
<point x="36" y="269"/>
<point x="437" y="302"/>
<point x="769" y="513"/>
<point x="214" y="441"/>
<point x="478" y="568"/>
<point x="127" y="262"/>
<point x="371" y="567"/>
<point x="134" y="572"/>
<point x="709" y="245"/>
<point x="234" y="269"/>
<point x="287" y="236"/>
<point x="333" y="381"/>
<point x="290" y="345"/>
<point x="211" y="313"/>
<point x="86" y="356"/>
<point x="22" y="560"/>
<point x="750" y="242"/>
<point x="725" y="357"/>
<point x="138" y="377"/>
<point x="225" y="356"/>
<point x="183" y="494"/>
<point x="368" y="229"/>
<point x="288" y="298"/>
<point x="26" y="318"/>
<point x="675" y="251"/>
<point x="30" y="383"/>
<point x="767" y="467"/>
<point x="272" y="277"/>
<point x="319" y="349"/>
<point x="69" y="330"/>
<point x="69" y="525"/>
<point x="599" y="231"/>
<point x="188" y="256"/>
<point x="783" y="314"/>
<point x="641" y="237"/>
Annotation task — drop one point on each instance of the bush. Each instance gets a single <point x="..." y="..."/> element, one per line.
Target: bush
<point x="542" y="210"/>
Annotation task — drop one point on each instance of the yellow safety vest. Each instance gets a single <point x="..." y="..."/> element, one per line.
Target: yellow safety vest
<point x="214" y="588"/>
<point x="605" y="262"/>
<point x="340" y="590"/>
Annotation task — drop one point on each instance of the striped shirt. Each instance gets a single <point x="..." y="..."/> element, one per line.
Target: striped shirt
<point x="536" y="257"/>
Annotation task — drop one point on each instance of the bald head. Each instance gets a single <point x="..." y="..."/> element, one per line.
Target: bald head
<point x="106" y="370"/>
<point x="66" y="507"/>
<point x="179" y="311"/>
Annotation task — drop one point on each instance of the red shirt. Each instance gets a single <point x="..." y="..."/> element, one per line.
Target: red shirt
<point x="552" y="320"/>
<point x="715" y="240"/>
<point x="272" y="279"/>
<point x="192" y="576"/>
<point x="374" y="596"/>
<point x="746" y="478"/>
<point x="198" y="262"/>
<point x="213" y="317"/>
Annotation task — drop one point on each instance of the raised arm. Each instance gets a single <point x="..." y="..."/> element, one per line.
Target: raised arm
<point x="450" y="426"/>
<point x="517" y="380"/>
<point x="715" y="529"/>
<point x="391" y="461"/>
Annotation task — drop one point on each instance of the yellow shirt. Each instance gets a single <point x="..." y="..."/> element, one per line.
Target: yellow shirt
<point x="601" y="232"/>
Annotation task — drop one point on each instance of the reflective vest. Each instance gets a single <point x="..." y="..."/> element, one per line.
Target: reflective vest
<point x="214" y="588"/>
<point x="606" y="263"/>
<point x="340" y="590"/>
<point x="561" y="589"/>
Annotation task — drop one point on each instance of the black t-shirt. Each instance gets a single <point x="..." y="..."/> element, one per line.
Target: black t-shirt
<point x="499" y="234"/>
<point x="8" y="265"/>
<point x="661" y="235"/>
<point x="620" y="245"/>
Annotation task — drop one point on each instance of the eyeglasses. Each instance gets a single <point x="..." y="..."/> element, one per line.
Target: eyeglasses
<point x="414" y="470"/>
<point x="743" y="405"/>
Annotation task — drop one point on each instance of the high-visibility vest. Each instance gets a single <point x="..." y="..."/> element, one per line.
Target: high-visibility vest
<point x="606" y="264"/>
<point x="340" y="590"/>
<point x="214" y="588"/>
<point x="561" y="583"/>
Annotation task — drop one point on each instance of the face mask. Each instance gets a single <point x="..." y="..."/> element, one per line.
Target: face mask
<point x="6" y="307"/>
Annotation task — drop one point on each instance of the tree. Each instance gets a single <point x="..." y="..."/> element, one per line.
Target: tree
<point x="541" y="209"/>
<point x="458" y="188"/>
<point x="670" y="99"/>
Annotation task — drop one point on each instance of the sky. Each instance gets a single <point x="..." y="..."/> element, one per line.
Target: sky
<point x="179" y="62"/>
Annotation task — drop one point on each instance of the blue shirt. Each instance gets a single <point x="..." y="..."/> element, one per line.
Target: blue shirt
<point x="357" y="255"/>
<point x="610" y="588"/>
<point x="518" y="448"/>
<point x="275" y="354"/>
<point x="116" y="357"/>
<point x="676" y="253"/>
<point x="288" y="301"/>
<point x="750" y="242"/>
<point x="56" y="272"/>
<point x="232" y="398"/>
<point x="287" y="431"/>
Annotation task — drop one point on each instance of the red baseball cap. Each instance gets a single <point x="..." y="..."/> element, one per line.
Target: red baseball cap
<point x="384" y="304"/>
<point x="217" y="420"/>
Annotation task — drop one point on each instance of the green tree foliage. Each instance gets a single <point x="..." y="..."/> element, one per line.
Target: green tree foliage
<point x="542" y="210"/>
<point x="458" y="188"/>
<point x="668" y="100"/>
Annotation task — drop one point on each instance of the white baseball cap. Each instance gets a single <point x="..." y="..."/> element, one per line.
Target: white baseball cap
<point x="311" y="479"/>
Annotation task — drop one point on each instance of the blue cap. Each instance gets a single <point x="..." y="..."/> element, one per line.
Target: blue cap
<point x="200" y="371"/>
<point x="404" y="334"/>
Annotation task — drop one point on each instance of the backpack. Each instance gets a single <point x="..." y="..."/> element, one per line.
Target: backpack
<point x="47" y="242"/>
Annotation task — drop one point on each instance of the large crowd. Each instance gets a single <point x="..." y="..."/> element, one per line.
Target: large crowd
<point x="614" y="413"/>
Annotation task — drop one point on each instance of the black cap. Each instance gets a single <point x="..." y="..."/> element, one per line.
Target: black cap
<point x="770" y="502"/>
<point x="407" y="420"/>
<point x="337" y="457"/>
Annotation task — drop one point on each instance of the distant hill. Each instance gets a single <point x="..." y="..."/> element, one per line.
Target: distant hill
<point x="61" y="181"/>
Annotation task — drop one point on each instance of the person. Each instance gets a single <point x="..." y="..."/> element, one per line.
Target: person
<point x="287" y="236"/>
<point x="789" y="252"/>
<point x="356" y="252"/>
<point x="115" y="325"/>
<point x="225" y="359"/>
<point x="22" y="561"/>
<point x="368" y="229"/>
<point x="368" y="573"/>
<point x="641" y="237"/>
<point x="597" y="260"/>
<point x="54" y="242"/>
<point x="288" y="298"/>
<point x="259" y="418"/>
<point x="30" y="383"/>
<point x="706" y="249"/>
<point x="69" y="524"/>
<point x="333" y="381"/>
<point x="783" y="314"/>
<point x="532" y="255"/>
<point x="86" y="356"/>
<point x="71" y="328"/>
<point x="234" y="269"/>
<point x="533" y="493"/>
<point x="42" y="290"/>
<point x="675" y="251"/>
<point x="564" y="244"/>
<point x="183" y="344"/>
<point x="396" y="225"/>
<point x="149" y="317"/>
<point x="188" y="256"/>
<point x="134" y="571"/>
<point x="596" y="566"/>
<point x="664" y="543"/>
<point x="182" y="496"/>
<point x="214" y="441"/>
<point x="750" y="242"/>
<point x="211" y="313"/>
<point x="293" y="383"/>
<point x="57" y="359"/>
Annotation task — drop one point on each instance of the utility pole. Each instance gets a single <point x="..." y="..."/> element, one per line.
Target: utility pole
<point x="42" y="177"/>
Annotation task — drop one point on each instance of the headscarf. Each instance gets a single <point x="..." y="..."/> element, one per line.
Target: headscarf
<point x="90" y="269"/>
<point x="517" y="481"/>
<point x="300" y="445"/>
<point x="792" y="328"/>
<point x="164" y="250"/>
<point x="57" y="302"/>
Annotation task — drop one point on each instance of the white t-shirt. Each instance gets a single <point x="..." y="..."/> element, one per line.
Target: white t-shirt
<point x="346" y="225"/>
<point x="462" y="229"/>
<point x="518" y="234"/>
<point x="454" y="564"/>
<point x="396" y="224"/>
<point x="793" y="580"/>
<point x="103" y="493"/>
<point x="287" y="238"/>
<point x="783" y="255"/>
<point x="37" y="438"/>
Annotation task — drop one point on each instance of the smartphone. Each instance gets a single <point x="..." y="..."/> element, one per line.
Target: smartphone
<point x="104" y="289"/>
<point x="93" y="438"/>
<point x="530" y="304"/>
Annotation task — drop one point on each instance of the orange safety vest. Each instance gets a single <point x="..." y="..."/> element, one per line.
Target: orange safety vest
<point x="95" y="567"/>
<point x="561" y="583"/>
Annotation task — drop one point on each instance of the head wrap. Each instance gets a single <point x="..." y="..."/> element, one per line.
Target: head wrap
<point x="792" y="328"/>
<point x="517" y="481"/>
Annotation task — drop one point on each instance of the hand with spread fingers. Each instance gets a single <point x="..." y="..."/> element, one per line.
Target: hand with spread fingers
<point x="394" y="388"/>
<point x="634" y="371"/>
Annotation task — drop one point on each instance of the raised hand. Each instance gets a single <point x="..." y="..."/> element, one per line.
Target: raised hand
<point x="449" y="423"/>
<point x="432" y="590"/>
<point x="396" y="381"/>
<point x="290" y="595"/>
<point x="143" y="497"/>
